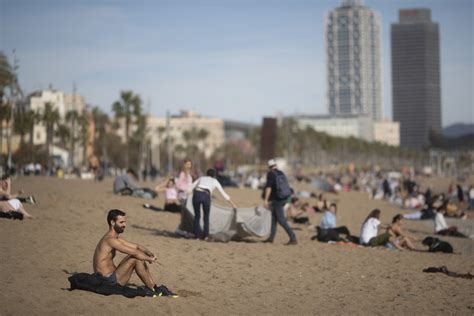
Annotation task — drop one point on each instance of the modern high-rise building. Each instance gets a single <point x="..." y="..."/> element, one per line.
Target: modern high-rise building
<point x="353" y="61"/>
<point x="416" y="89"/>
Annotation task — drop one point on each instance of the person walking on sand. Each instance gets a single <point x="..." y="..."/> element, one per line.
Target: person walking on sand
<point x="203" y="188"/>
<point x="277" y="191"/>
<point x="184" y="181"/>
<point x="138" y="255"/>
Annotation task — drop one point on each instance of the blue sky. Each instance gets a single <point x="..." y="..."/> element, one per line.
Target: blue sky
<point x="234" y="59"/>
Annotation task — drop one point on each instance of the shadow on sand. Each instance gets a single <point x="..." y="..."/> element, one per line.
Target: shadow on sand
<point x="159" y="232"/>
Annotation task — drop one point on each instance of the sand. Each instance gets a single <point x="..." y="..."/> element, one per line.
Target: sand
<point x="219" y="278"/>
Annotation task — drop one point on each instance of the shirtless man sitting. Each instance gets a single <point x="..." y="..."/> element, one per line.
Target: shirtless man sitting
<point x="135" y="261"/>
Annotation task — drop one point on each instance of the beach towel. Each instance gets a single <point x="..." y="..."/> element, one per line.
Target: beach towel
<point x="101" y="285"/>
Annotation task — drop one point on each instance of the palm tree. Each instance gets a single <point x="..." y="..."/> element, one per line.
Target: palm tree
<point x="6" y="75"/>
<point x="83" y="121"/>
<point x="50" y="118"/>
<point x="127" y="107"/>
<point x="22" y="124"/>
<point x="139" y="138"/>
<point x="64" y="134"/>
<point x="72" y="118"/>
<point x="101" y="121"/>
<point x="5" y="114"/>
<point x="32" y="118"/>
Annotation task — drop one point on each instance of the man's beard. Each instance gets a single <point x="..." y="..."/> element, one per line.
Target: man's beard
<point x="118" y="229"/>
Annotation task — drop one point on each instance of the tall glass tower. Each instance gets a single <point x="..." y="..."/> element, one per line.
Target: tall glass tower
<point x="353" y="61"/>
<point x="416" y="88"/>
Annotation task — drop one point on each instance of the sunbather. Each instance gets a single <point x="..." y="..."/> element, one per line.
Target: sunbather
<point x="135" y="261"/>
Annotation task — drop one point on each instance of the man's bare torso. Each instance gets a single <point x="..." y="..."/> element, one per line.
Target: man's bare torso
<point x="103" y="256"/>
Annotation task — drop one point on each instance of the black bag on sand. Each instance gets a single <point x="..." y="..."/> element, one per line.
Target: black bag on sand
<point x="12" y="215"/>
<point x="101" y="285"/>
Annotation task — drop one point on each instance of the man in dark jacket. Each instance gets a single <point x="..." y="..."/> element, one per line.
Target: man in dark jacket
<point x="275" y="202"/>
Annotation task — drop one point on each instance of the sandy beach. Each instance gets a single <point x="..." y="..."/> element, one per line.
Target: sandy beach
<point x="213" y="278"/>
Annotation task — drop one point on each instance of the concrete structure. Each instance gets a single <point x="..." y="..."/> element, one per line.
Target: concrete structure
<point x="59" y="101"/>
<point x="387" y="132"/>
<point x="36" y="102"/>
<point x="74" y="102"/>
<point x="185" y="121"/>
<point x="416" y="89"/>
<point x="234" y="130"/>
<point x="353" y="61"/>
<point x="357" y="126"/>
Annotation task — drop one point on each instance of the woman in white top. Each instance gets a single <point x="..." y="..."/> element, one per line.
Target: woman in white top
<point x="442" y="228"/>
<point x="203" y="188"/>
<point x="369" y="230"/>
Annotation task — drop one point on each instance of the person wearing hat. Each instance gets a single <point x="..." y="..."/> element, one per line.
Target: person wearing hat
<point x="274" y="199"/>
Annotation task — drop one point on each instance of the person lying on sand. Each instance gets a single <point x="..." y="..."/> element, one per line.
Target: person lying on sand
<point x="5" y="191"/>
<point x="442" y="228"/>
<point x="14" y="205"/>
<point x="135" y="261"/>
<point x="125" y="185"/>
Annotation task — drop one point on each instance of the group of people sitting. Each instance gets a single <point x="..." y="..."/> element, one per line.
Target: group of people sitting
<point x="392" y="237"/>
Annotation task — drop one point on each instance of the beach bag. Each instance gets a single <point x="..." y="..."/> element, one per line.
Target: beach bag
<point x="283" y="189"/>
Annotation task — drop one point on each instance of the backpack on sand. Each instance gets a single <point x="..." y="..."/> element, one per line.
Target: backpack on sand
<point x="283" y="189"/>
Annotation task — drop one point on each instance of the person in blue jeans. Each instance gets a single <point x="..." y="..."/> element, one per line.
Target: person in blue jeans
<point x="276" y="204"/>
<point x="202" y="189"/>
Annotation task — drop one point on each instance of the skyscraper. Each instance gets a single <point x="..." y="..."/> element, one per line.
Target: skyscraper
<point x="416" y="90"/>
<point x="353" y="60"/>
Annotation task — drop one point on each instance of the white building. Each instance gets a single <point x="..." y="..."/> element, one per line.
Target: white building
<point x="61" y="102"/>
<point x="361" y="127"/>
<point x="186" y="121"/>
<point x="387" y="132"/>
<point x="353" y="60"/>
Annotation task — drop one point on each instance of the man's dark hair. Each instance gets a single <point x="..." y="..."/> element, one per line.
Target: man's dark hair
<point x="5" y="176"/>
<point x="396" y="218"/>
<point x="113" y="214"/>
<point x="133" y="173"/>
<point x="211" y="173"/>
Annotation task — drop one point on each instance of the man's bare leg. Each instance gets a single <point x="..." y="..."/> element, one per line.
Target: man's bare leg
<point x="128" y="265"/>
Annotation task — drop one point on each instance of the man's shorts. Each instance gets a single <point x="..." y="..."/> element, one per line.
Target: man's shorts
<point x="112" y="277"/>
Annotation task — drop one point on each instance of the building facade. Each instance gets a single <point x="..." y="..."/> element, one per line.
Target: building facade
<point x="387" y="132"/>
<point x="179" y="124"/>
<point x="416" y="89"/>
<point x="357" y="126"/>
<point x="61" y="102"/>
<point x="353" y="60"/>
